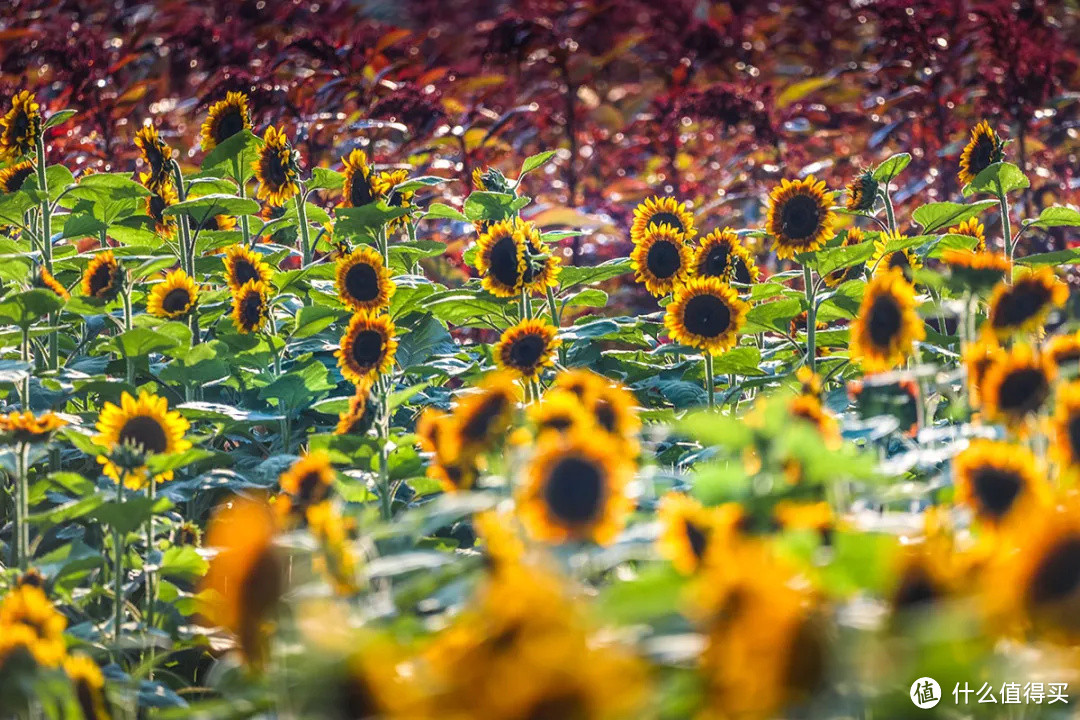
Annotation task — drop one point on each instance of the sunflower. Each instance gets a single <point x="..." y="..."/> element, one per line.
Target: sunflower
<point x="983" y="150"/>
<point x="250" y="307"/>
<point x="686" y="526"/>
<point x="158" y="158"/>
<point x="800" y="219"/>
<point x="89" y="686"/>
<point x="173" y="297"/>
<point x="359" y="188"/>
<point x="384" y="185"/>
<point x="1064" y="351"/>
<point x="336" y="559"/>
<point x="853" y="237"/>
<point x="576" y="489"/>
<point x="809" y="382"/>
<point x="102" y="277"/>
<point x="246" y="577"/>
<point x="440" y="435"/>
<point x="500" y="259"/>
<point x="795" y="516"/>
<point x="276" y="168"/>
<point x="661" y="259"/>
<point x="306" y="483"/>
<point x="541" y="265"/>
<point x="562" y="412"/>
<point x="1016" y="385"/>
<point x="1023" y="306"/>
<point x="887" y="325"/>
<point x="722" y="255"/>
<point x="25" y="427"/>
<point x="20" y="126"/>
<point x="997" y="479"/>
<point x="706" y="314"/>
<point x="1066" y="426"/>
<point x="362" y="280"/>
<point x="224" y="119"/>
<point x="862" y="193"/>
<point x="161" y="196"/>
<point x="527" y="348"/>
<point x="657" y="211"/>
<point x="27" y="606"/>
<point x="219" y="223"/>
<point x="481" y="418"/>
<point x="44" y="279"/>
<point x="13" y="176"/>
<point x="977" y="271"/>
<point x="926" y="576"/>
<point x="360" y="414"/>
<point x="809" y="409"/>
<point x="971" y="228"/>
<point x="610" y="403"/>
<point x="977" y="358"/>
<point x="367" y="347"/>
<point x="884" y="260"/>
<point x="243" y="265"/>
<point x="145" y="423"/>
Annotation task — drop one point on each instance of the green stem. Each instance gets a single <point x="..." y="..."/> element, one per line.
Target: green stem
<point x="104" y="239"/>
<point x="811" y="319"/>
<point x="556" y="320"/>
<point x="890" y="214"/>
<point x="24" y="355"/>
<point x="710" y="381"/>
<point x="1006" y="227"/>
<point x="129" y="364"/>
<point x="386" y="503"/>
<point x="305" y="237"/>
<point x="118" y="567"/>
<point x="151" y="589"/>
<point x="187" y="251"/>
<point x="22" y="505"/>
<point x="46" y="244"/>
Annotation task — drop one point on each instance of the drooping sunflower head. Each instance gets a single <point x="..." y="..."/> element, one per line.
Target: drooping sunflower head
<point x="103" y="277"/>
<point x="862" y="193"/>
<point x="661" y="259"/>
<point x="576" y="489"/>
<point x="500" y="259"/>
<point x="276" y="168"/>
<point x="250" y="307"/>
<point x="13" y="176"/>
<point x="147" y="426"/>
<point x="887" y="324"/>
<point x="20" y="126"/>
<point x="706" y="314"/>
<point x="977" y="358"/>
<point x="976" y="270"/>
<point x="367" y="347"/>
<point x="156" y="154"/>
<point x="997" y="479"/>
<point x="481" y="418"/>
<point x="983" y="150"/>
<point x="384" y="184"/>
<point x="359" y="188"/>
<point x="1022" y="306"/>
<point x="173" y="297"/>
<point x="686" y="527"/>
<point x="26" y="427"/>
<point x="362" y="281"/>
<point x="161" y="196"/>
<point x="561" y="412"/>
<point x="89" y="685"/>
<point x="359" y="416"/>
<point x="224" y="119"/>
<point x="853" y="236"/>
<point x="27" y="606"/>
<point x="306" y="483"/>
<point x="541" y="265"/>
<point x="657" y="211"/>
<point x="800" y="217"/>
<point x="884" y="259"/>
<point x="44" y="279"/>
<point x="971" y="228"/>
<point x="527" y="348"/>
<point x="1016" y="385"/>
<point x="244" y="265"/>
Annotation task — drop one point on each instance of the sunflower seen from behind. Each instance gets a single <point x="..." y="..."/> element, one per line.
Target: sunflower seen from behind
<point x="706" y="314"/>
<point x="103" y="277"/>
<point x="13" y="176"/>
<point x="656" y="211"/>
<point x="500" y="259"/>
<point x="250" y="307"/>
<point x="161" y="197"/>
<point x="145" y="424"/>
<point x="527" y="348"/>
<point x="977" y="271"/>
<point x="20" y="126"/>
<point x="661" y="259"/>
<point x="887" y="324"/>
<point x="224" y="119"/>
<point x="157" y="155"/>
<point x="983" y="150"/>
<point x="998" y="481"/>
<point x="174" y="297"/>
<point x="800" y="217"/>
<point x="359" y="186"/>
<point x="362" y="281"/>
<point x="243" y="265"/>
<point x="1016" y="385"/>
<point x="862" y="193"/>
<point x="276" y="168"/>
<point x="367" y="347"/>
<point x="1023" y="305"/>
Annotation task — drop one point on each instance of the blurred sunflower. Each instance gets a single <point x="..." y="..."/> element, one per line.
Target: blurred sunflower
<point x="28" y="607"/>
<point x="359" y="188"/>
<point x="791" y="515"/>
<point x="20" y="126"/>
<point x="800" y="217"/>
<point x="13" y="176"/>
<point x="306" y="483"/>
<point x="218" y="223"/>
<point x="44" y="279"/>
<point x="224" y="119"/>
<point x="810" y="409"/>
<point x="854" y="236"/>
<point x="276" y="169"/>
<point x="883" y="260"/>
<point x="161" y="196"/>
<point x="89" y="686"/>
<point x="438" y="434"/>
<point x="102" y="278"/>
<point x="657" y="211"/>
<point x="500" y="259"/>
<point x="686" y="526"/>
<point x="977" y="271"/>
<point x="560" y="411"/>
<point x="1066" y="426"/>
<point x="576" y="489"/>
<point x="928" y="573"/>
<point x="147" y="426"/>
<point x="158" y="157"/>
<point x="997" y="480"/>
<point x="887" y="325"/>
<point x="706" y="314"/>
<point x="360" y="415"/>
<point x="481" y="418"/>
<point x="1064" y="351"/>
<point x="26" y="427"/>
<point x="362" y="281"/>
<point x="250" y="307"/>
<point x="367" y="346"/>
<point x="1023" y="305"/>
<point x="971" y="228"/>
<point x="661" y="259"/>
<point x="1016" y="385"/>
<point x="243" y="265"/>
<point x="173" y="297"/>
<point x="809" y="382"/>
<point x="527" y="348"/>
<point x="384" y="185"/>
<point x="983" y="150"/>
<point x="336" y="559"/>
<point x="541" y="265"/>
<point x="723" y="256"/>
<point x="246" y="577"/>
<point x="977" y="358"/>
<point x="611" y="404"/>
<point x="862" y="193"/>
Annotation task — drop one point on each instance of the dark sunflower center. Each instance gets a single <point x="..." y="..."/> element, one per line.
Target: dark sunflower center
<point x="157" y="207"/>
<point x="799" y="217"/>
<point x="360" y="192"/>
<point x="899" y="260"/>
<point x="358" y="700"/>
<point x="697" y="538"/>
<point x="982" y="155"/>
<point x="806" y="663"/>
<point x="309" y="489"/>
<point x="526" y="351"/>
<point x="1020" y="304"/>
<point x="244" y="271"/>
<point x="715" y="262"/>
<point x="479" y="424"/>
<point x="229" y="123"/>
<point x="274" y="172"/>
<point x="574" y="491"/>
<point x="101" y="280"/>
<point x="85" y="695"/>
<point x="707" y="316"/>
<point x="561" y="423"/>
<point x="176" y="300"/>
<point x="1023" y="390"/>
<point x="605" y="415"/>
<point x="741" y="271"/>
<point x="259" y="589"/>
<point x="367" y="348"/>
<point x="21" y="126"/>
<point x="155" y="158"/>
<point x="395" y="200"/>
<point x="663" y="259"/>
<point x="1057" y="576"/>
<point x="251" y="310"/>
<point x="1073" y="429"/>
<point x="884" y="321"/>
<point x="146" y="432"/>
<point x="504" y="261"/>
<point x="666" y="218"/>
<point x="916" y="589"/>
<point x="564" y="706"/>
<point x="16" y="179"/>
<point x="362" y="282"/>
<point x="995" y="489"/>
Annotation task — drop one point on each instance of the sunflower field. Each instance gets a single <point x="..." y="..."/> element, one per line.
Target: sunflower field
<point x="543" y="361"/>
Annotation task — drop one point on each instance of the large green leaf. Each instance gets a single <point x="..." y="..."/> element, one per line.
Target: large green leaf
<point x="1057" y="216"/>
<point x="25" y="308"/>
<point x="893" y="166"/>
<point x="200" y="209"/>
<point x="935" y="216"/>
<point x="1001" y="177"/>
<point x="234" y="156"/>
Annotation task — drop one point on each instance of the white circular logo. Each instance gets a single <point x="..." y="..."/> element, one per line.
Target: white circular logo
<point x="925" y="693"/>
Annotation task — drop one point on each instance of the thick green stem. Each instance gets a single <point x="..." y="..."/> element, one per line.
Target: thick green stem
<point x="710" y="380"/>
<point x="22" y="506"/>
<point x="556" y="320"/>
<point x="890" y="214"/>
<point x="151" y="589"/>
<point x="118" y="567"/>
<point x="386" y="502"/>
<point x="187" y="250"/>
<point x="1006" y="227"/>
<point x="811" y="319"/>
<point x="24" y="355"/>
<point x="305" y="236"/>
<point x="129" y="364"/>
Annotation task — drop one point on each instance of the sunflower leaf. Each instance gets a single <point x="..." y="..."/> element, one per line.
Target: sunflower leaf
<point x="202" y="208"/>
<point x="1001" y="177"/>
<point x="233" y="156"/>
<point x="890" y="168"/>
<point x="490" y="206"/>
<point x="25" y="308"/>
<point x="438" y="211"/>
<point x="935" y="216"/>
<point x="1056" y="216"/>
<point x="534" y="161"/>
<point x="57" y="118"/>
<point x="325" y="179"/>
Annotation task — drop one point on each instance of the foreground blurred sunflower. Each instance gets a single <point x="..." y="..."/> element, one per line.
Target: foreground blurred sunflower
<point x="657" y="211"/>
<point x="307" y="482"/>
<point x="450" y="467"/>
<point x="250" y="307"/>
<point x="336" y="559"/>
<point x="243" y="265"/>
<point x="500" y="259"/>
<point x="224" y="119"/>
<point x="173" y="297"/>
<point x="541" y="265"/>
<point x="44" y="279"/>
<point x="800" y="217"/>
<point x="481" y="418"/>
<point x="161" y="196"/>
<point x="983" y="150"/>
<point x="13" y="176"/>
<point x="246" y="578"/>
<point x="561" y="412"/>
<point x="1064" y="351"/>
<point x="28" y="607"/>
<point x="102" y="278"/>
<point x="576" y="489"/>
<point x="884" y="260"/>
<point x="527" y="348"/>
<point x="661" y="259"/>
<point x="384" y="185"/>
<point x="359" y="187"/>
<point x="929" y="572"/>
<point x="977" y="358"/>
<point x="686" y="527"/>
<point x="611" y="404"/>
<point x="26" y="427"/>
<point x="1066" y="426"/>
<point x="1016" y="385"/>
<point x="723" y="256"/>
<point x="862" y="193"/>
<point x="977" y="271"/>
<point x="367" y="346"/>
<point x="1023" y="306"/>
<point x="276" y="169"/>
<point x="89" y="686"/>
<point x="157" y="155"/>
<point x="998" y="480"/>
<point x="706" y="314"/>
<point x="360" y="415"/>
<point x="362" y="281"/>
<point x="809" y="409"/>
<point x="887" y="325"/>
<point x="853" y="236"/>
<point x="20" y="126"/>
<point x="147" y="424"/>
<point x="971" y="228"/>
